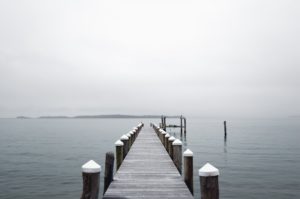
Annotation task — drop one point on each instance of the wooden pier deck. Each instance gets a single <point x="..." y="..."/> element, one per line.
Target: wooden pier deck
<point x="148" y="172"/>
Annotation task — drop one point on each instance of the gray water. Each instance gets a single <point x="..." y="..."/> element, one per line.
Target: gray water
<point x="42" y="158"/>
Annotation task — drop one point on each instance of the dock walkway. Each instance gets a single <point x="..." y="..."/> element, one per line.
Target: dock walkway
<point x="147" y="172"/>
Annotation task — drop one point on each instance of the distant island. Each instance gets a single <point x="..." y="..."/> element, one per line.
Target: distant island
<point x="91" y="116"/>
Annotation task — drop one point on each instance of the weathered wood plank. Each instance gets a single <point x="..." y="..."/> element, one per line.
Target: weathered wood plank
<point x="147" y="172"/>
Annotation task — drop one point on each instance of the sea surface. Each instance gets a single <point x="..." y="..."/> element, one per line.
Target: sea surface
<point x="42" y="158"/>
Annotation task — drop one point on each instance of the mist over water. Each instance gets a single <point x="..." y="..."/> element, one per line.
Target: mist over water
<point x="42" y="158"/>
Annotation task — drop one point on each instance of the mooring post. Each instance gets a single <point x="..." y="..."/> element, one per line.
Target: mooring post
<point x="91" y="180"/>
<point x="160" y="134"/>
<point x="137" y="130"/>
<point x="163" y="133"/>
<point x="132" y="137"/>
<point x="125" y="140"/>
<point x="225" y="129"/>
<point x="167" y="141"/>
<point x="170" y="146"/>
<point x="129" y="140"/>
<point x="119" y="153"/>
<point x="188" y="170"/>
<point x="109" y="170"/>
<point x="209" y="182"/>
<point x="177" y="154"/>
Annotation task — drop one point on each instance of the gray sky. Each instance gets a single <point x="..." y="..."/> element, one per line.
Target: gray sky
<point x="199" y="58"/>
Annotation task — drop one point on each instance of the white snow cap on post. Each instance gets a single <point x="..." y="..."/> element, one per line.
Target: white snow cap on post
<point x="163" y="132"/>
<point x="208" y="170"/>
<point x="124" y="137"/>
<point x="91" y="167"/>
<point x="131" y="132"/>
<point x="119" y="143"/>
<point x="177" y="142"/>
<point x="188" y="153"/>
<point x="172" y="138"/>
<point x="167" y="135"/>
<point x="128" y="135"/>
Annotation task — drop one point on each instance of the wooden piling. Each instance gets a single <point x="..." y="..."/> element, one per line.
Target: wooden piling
<point x="225" y="129"/>
<point x="163" y="133"/>
<point x="177" y="154"/>
<point x="132" y="136"/>
<point x="125" y="140"/>
<point x="129" y="140"/>
<point x="181" y="125"/>
<point x="109" y="170"/>
<point x="167" y="141"/>
<point x="188" y="170"/>
<point x="91" y="180"/>
<point x="119" y="153"/>
<point x="136" y="129"/>
<point x="209" y="182"/>
<point x="171" y="140"/>
<point x="160" y="134"/>
<point x="184" y="120"/>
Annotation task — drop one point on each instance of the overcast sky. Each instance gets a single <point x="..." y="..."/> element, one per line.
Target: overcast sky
<point x="230" y="58"/>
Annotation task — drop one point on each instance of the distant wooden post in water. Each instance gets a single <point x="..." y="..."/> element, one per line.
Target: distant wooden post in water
<point x="184" y="120"/>
<point x="109" y="170"/>
<point x="209" y="183"/>
<point x="91" y="180"/>
<point x="180" y="124"/>
<point x="188" y="170"/>
<point x="177" y="154"/>
<point x="119" y="153"/>
<point x="225" y="130"/>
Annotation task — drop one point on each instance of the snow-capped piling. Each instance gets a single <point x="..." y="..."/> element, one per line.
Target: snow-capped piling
<point x="209" y="182"/>
<point x="91" y="180"/>
<point x="188" y="169"/>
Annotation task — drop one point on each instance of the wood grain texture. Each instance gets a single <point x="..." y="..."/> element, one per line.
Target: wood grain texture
<point x="148" y="172"/>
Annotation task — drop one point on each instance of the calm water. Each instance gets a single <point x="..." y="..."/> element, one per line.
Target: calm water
<point x="42" y="158"/>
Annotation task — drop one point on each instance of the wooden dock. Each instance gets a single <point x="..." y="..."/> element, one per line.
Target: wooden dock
<point x="147" y="172"/>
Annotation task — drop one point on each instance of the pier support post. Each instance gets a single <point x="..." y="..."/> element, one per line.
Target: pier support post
<point x="119" y="153"/>
<point x="209" y="182"/>
<point x="129" y="140"/>
<point x="167" y="141"/>
<point x="109" y="170"/>
<point x="160" y="134"/>
<point x="177" y="154"/>
<point x="132" y="137"/>
<point x="163" y="133"/>
<point x="170" y="146"/>
<point x="91" y="180"/>
<point x="134" y="133"/>
<point x="137" y="130"/>
<point x="188" y="170"/>
<point x="125" y="140"/>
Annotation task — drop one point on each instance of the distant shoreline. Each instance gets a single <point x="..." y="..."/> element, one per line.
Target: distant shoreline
<point x="116" y="116"/>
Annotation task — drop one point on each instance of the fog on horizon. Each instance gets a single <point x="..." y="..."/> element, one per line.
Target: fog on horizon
<point x="235" y="58"/>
